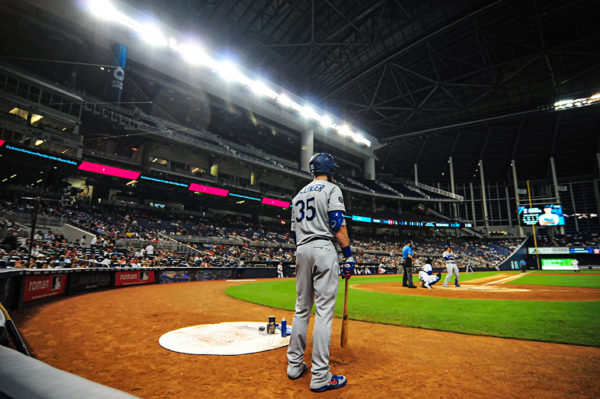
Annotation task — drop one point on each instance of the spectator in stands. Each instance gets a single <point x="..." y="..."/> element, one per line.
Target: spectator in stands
<point x="3" y="258"/>
<point x="10" y="243"/>
<point x="105" y="262"/>
<point x="49" y="237"/>
<point x="94" y="241"/>
<point x="150" y="251"/>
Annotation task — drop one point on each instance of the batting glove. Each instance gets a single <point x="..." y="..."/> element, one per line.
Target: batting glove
<point x="348" y="267"/>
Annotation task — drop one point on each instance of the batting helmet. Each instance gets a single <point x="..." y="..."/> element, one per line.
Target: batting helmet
<point x="322" y="163"/>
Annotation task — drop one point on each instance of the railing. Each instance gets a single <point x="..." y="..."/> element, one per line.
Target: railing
<point x="438" y="191"/>
<point x="25" y="219"/>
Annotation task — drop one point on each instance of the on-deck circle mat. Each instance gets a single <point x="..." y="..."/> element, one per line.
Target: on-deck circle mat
<point x="230" y="338"/>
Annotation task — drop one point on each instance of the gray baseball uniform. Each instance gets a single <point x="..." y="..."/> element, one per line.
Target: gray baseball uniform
<point x="317" y="272"/>
<point x="451" y="267"/>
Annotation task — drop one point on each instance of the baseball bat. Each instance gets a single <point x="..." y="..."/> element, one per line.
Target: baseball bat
<point x="345" y="317"/>
<point x="14" y="333"/>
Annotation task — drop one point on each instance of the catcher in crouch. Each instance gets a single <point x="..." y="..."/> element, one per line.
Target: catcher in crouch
<point x="426" y="275"/>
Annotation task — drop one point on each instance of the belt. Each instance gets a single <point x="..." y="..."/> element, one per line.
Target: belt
<point x="316" y="238"/>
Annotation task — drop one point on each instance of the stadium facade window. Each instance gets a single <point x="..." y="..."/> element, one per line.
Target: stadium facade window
<point x="25" y="115"/>
<point x="179" y="165"/>
<point x="160" y="161"/>
<point x="46" y="98"/>
<point x="34" y="94"/>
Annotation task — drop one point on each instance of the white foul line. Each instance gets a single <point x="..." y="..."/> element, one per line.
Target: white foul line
<point x="506" y="279"/>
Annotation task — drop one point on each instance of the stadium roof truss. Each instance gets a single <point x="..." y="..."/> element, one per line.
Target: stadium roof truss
<point x="426" y="80"/>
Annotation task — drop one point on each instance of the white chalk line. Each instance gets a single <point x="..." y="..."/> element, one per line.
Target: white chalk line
<point x="506" y="279"/>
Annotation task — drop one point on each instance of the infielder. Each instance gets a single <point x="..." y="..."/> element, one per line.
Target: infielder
<point x="280" y="270"/>
<point x="450" y="259"/>
<point x="317" y="219"/>
<point x="426" y="275"/>
<point x="575" y="264"/>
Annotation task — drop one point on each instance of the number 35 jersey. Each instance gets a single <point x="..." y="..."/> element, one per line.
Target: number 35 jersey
<point x="310" y="211"/>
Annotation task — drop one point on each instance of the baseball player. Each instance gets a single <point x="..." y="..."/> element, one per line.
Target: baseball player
<point x="575" y="264"/>
<point x="426" y="275"/>
<point x="450" y="259"/>
<point x="280" y="270"/>
<point x="317" y="219"/>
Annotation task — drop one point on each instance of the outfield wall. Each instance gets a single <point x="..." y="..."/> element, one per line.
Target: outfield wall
<point x="22" y="286"/>
<point x="513" y="260"/>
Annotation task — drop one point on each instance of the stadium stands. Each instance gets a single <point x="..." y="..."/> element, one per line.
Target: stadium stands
<point x="570" y="240"/>
<point x="123" y="236"/>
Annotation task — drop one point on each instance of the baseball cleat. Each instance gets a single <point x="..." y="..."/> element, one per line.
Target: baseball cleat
<point x="445" y="286"/>
<point x="304" y="368"/>
<point x="427" y="286"/>
<point x="457" y="285"/>
<point x="337" y="381"/>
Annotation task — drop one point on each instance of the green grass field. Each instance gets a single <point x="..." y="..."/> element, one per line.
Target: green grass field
<point x="557" y="321"/>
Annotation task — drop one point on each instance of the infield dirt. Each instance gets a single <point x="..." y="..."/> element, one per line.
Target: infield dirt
<point x="112" y="337"/>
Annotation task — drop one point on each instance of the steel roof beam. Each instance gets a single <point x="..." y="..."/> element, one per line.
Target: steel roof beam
<point x="414" y="44"/>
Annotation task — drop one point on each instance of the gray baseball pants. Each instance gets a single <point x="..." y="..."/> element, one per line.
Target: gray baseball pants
<point x="451" y="268"/>
<point x="317" y="275"/>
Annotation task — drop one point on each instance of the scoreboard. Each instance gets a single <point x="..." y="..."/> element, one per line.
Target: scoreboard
<point x="549" y="215"/>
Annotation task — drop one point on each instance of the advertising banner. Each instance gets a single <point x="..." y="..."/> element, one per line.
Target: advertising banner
<point x="37" y="287"/>
<point x="134" y="277"/>
<point x="549" y="250"/>
<point x="559" y="264"/>
<point x="177" y="276"/>
<point x="79" y="282"/>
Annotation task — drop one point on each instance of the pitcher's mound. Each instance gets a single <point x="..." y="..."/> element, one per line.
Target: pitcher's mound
<point x="232" y="338"/>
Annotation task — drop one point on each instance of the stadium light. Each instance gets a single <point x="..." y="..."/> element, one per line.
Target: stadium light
<point x="344" y="130"/>
<point x="326" y="121"/>
<point x="284" y="100"/>
<point x="152" y="34"/>
<point x="194" y="54"/>
<point x="577" y="102"/>
<point x="309" y="113"/>
<point x="105" y="10"/>
<point x="230" y="72"/>
<point x="102" y="9"/>
<point x="261" y="89"/>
